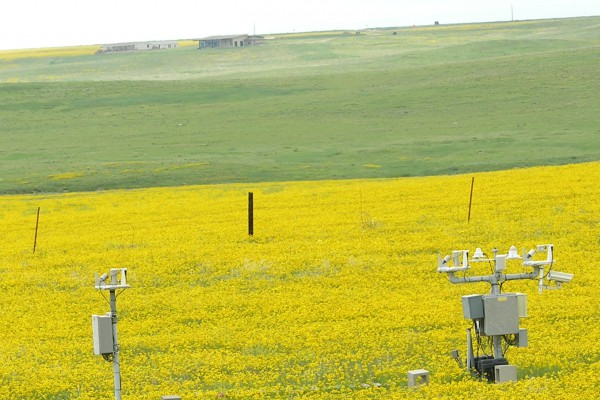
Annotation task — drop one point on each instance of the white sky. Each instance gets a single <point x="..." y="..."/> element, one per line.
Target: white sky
<point x="48" y="23"/>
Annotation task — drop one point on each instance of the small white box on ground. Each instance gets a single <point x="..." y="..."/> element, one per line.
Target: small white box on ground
<point x="418" y="377"/>
<point x="170" y="397"/>
<point x="505" y="373"/>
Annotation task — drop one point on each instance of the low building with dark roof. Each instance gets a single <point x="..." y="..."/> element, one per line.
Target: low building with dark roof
<point x="219" y="42"/>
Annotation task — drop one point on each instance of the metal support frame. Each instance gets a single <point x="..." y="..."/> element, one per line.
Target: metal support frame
<point x="495" y="280"/>
<point x="112" y="286"/>
<point x="116" y="363"/>
<point x="460" y="264"/>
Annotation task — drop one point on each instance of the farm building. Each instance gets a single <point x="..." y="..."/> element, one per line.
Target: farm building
<point x="216" y="42"/>
<point x="138" y="46"/>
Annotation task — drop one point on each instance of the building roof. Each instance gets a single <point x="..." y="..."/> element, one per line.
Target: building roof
<point x="143" y="42"/>
<point x="223" y="37"/>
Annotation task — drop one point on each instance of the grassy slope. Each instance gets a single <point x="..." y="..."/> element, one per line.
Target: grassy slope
<point x="423" y="101"/>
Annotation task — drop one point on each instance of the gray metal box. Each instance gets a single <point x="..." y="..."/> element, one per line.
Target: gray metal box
<point x="472" y="306"/>
<point x="501" y="314"/>
<point x="500" y="263"/>
<point x="522" y="303"/>
<point x="103" y="334"/>
<point x="505" y="373"/>
<point x="522" y="340"/>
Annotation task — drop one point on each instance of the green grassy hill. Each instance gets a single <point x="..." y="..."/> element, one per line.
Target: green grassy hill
<point x="382" y="103"/>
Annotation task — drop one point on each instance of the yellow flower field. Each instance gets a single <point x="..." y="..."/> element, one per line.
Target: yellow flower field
<point x="8" y="55"/>
<point x="335" y="296"/>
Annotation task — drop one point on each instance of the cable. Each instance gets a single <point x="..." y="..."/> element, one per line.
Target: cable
<point x="476" y="336"/>
<point x="510" y="341"/>
<point x="105" y="299"/>
<point x="549" y="269"/>
<point x="480" y="344"/>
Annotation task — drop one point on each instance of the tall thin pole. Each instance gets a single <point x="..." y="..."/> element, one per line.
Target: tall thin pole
<point x="471" y="199"/>
<point x="116" y="365"/>
<point x="37" y="223"/>
<point x="112" y="286"/>
<point x="470" y="358"/>
<point x="496" y="339"/>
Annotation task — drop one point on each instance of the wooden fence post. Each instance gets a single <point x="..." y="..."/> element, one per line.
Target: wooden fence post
<point x="37" y="223"/>
<point x="250" y="213"/>
<point x="471" y="199"/>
